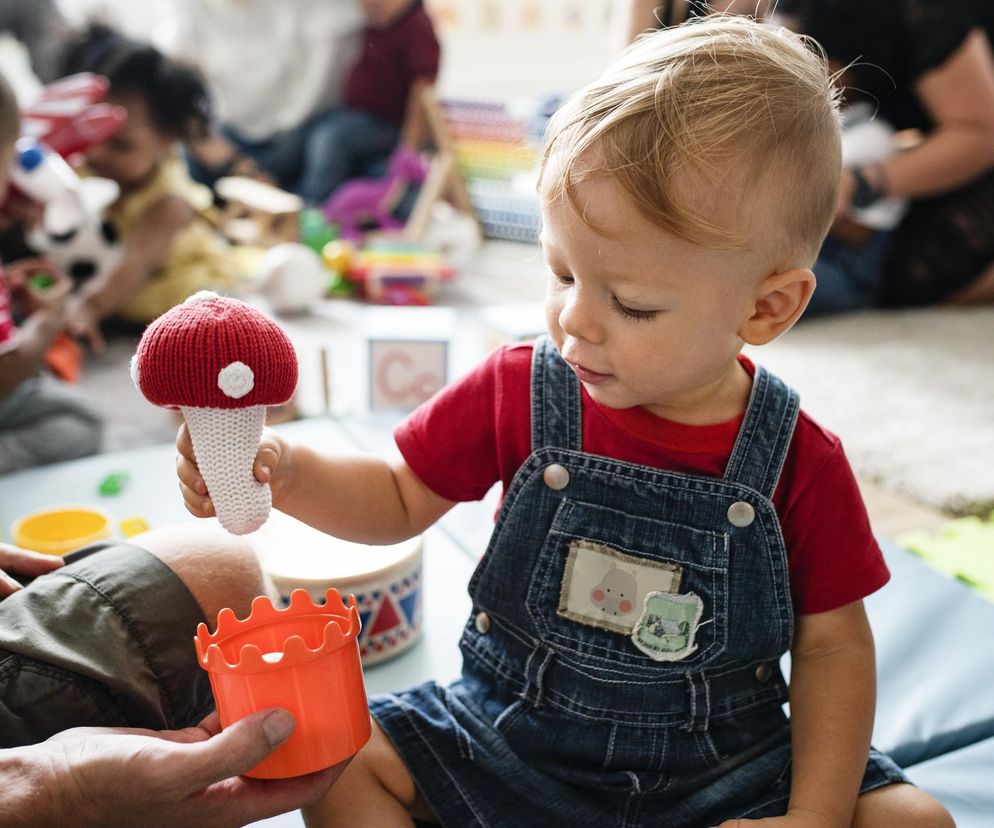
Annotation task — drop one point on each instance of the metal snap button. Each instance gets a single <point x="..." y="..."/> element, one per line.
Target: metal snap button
<point x="741" y="514"/>
<point x="482" y="623"/>
<point x="556" y="476"/>
<point x="763" y="672"/>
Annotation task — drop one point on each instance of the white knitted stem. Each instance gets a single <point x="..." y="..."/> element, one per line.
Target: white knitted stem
<point x="225" y="442"/>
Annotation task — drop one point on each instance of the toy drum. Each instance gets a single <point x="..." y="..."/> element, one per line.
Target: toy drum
<point x="385" y="580"/>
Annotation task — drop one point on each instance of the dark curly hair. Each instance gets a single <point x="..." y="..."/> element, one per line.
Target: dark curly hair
<point x="175" y="93"/>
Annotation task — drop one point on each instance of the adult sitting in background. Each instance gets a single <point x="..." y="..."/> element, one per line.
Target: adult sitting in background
<point x="926" y="65"/>
<point x="276" y="69"/>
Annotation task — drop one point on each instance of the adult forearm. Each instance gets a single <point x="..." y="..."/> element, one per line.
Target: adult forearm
<point x="832" y="701"/>
<point x="949" y="158"/>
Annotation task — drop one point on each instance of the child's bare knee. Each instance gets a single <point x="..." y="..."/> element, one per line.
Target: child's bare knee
<point x="903" y="805"/>
<point x="219" y="569"/>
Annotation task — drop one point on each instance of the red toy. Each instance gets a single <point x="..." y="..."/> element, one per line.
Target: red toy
<point x="221" y="363"/>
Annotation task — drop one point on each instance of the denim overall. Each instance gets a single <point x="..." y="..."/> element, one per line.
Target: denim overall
<point x="622" y="663"/>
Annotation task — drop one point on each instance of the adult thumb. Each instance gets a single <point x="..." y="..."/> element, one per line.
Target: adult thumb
<point x="240" y="746"/>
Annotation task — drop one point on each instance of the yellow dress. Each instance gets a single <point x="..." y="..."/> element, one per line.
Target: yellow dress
<point x="199" y="259"/>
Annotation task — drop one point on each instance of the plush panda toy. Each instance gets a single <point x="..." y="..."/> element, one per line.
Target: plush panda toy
<point x="90" y="246"/>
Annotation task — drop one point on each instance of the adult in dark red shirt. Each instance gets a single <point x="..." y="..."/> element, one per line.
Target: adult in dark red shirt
<point x="399" y="60"/>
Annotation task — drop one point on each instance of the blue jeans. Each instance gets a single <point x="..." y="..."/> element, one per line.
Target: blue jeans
<point x="315" y="158"/>
<point x="849" y="278"/>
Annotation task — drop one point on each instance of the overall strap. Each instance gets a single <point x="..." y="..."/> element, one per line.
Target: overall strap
<point x="764" y="438"/>
<point x="555" y="393"/>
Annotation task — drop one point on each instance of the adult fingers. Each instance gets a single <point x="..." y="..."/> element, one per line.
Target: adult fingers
<point x="235" y="750"/>
<point x="26" y="562"/>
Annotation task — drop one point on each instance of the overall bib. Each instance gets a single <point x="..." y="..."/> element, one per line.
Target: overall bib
<point x="622" y="663"/>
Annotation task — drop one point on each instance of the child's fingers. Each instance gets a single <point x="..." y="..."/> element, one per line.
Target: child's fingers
<point x="189" y="476"/>
<point x="197" y="505"/>
<point x="184" y="445"/>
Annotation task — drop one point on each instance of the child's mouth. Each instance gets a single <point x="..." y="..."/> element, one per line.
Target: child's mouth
<point x="588" y="376"/>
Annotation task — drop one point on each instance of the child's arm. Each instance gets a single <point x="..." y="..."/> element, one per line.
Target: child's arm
<point x="832" y="701"/>
<point x="414" y="132"/>
<point x="358" y="498"/>
<point x="145" y="250"/>
<point x="44" y="322"/>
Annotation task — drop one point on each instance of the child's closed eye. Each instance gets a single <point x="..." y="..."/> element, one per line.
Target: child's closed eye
<point x="633" y="313"/>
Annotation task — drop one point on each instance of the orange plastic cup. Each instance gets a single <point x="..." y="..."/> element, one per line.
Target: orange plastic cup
<point x="304" y="658"/>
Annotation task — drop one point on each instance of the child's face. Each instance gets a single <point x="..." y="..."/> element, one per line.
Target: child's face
<point x="643" y="317"/>
<point x="134" y="153"/>
<point x="381" y="13"/>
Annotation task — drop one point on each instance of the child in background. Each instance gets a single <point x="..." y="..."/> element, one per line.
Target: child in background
<point x="381" y="109"/>
<point x="171" y="248"/>
<point x="671" y="524"/>
<point x="41" y="419"/>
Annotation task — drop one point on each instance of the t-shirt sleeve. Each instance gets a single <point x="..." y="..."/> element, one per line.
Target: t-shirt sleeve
<point x="421" y="48"/>
<point x="450" y="442"/>
<point x="931" y="30"/>
<point x="833" y="557"/>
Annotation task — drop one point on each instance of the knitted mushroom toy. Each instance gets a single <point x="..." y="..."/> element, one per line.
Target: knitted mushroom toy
<point x="221" y="363"/>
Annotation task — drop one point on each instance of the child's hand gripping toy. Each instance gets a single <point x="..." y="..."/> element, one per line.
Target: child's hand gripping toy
<point x="221" y="363"/>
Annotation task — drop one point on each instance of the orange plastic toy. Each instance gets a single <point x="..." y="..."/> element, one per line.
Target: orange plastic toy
<point x="304" y="658"/>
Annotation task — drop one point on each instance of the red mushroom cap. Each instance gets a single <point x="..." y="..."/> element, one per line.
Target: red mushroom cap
<point x="214" y="352"/>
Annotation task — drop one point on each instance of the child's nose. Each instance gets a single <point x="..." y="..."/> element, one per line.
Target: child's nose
<point x="580" y="318"/>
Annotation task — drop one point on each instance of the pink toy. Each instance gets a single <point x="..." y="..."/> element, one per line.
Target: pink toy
<point x="370" y="201"/>
<point x="221" y="363"/>
<point x="69" y="117"/>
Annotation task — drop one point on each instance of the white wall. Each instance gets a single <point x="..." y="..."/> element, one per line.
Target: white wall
<point x="492" y="49"/>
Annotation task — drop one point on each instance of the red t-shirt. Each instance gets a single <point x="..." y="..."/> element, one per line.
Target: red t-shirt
<point x="478" y="431"/>
<point x="391" y="60"/>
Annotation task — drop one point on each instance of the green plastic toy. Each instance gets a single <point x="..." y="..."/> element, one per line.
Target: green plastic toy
<point x="963" y="549"/>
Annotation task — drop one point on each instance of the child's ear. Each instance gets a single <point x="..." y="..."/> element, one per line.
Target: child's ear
<point x="780" y="300"/>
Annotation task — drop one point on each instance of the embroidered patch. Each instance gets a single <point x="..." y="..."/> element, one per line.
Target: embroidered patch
<point x="668" y="624"/>
<point x="603" y="587"/>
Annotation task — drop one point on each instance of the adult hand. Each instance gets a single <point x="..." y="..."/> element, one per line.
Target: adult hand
<point x="96" y="776"/>
<point x="272" y="466"/>
<point x="22" y="562"/>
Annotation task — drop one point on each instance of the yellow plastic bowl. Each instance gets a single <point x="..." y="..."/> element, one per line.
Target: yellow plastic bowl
<point x="60" y="530"/>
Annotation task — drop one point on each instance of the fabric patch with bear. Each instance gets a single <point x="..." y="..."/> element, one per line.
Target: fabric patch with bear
<point x="604" y="587"/>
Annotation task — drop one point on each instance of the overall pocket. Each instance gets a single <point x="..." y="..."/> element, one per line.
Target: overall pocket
<point x="603" y="574"/>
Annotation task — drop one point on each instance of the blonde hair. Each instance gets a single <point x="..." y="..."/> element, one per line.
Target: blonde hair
<point x="723" y="106"/>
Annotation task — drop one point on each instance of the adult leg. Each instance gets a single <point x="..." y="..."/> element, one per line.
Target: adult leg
<point x="980" y="291"/>
<point x="338" y="144"/>
<point x="281" y="156"/>
<point x="903" y="805"/>
<point x="108" y="639"/>
<point x="43" y="421"/>
<point x="375" y="789"/>
<point x="219" y="569"/>
<point x="850" y="277"/>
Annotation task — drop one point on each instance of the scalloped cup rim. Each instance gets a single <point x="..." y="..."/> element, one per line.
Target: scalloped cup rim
<point x="342" y="627"/>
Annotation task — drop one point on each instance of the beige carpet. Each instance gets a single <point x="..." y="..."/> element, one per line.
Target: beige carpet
<point x="911" y="394"/>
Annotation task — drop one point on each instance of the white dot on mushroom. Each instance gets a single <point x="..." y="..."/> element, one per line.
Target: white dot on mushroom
<point x="235" y="380"/>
